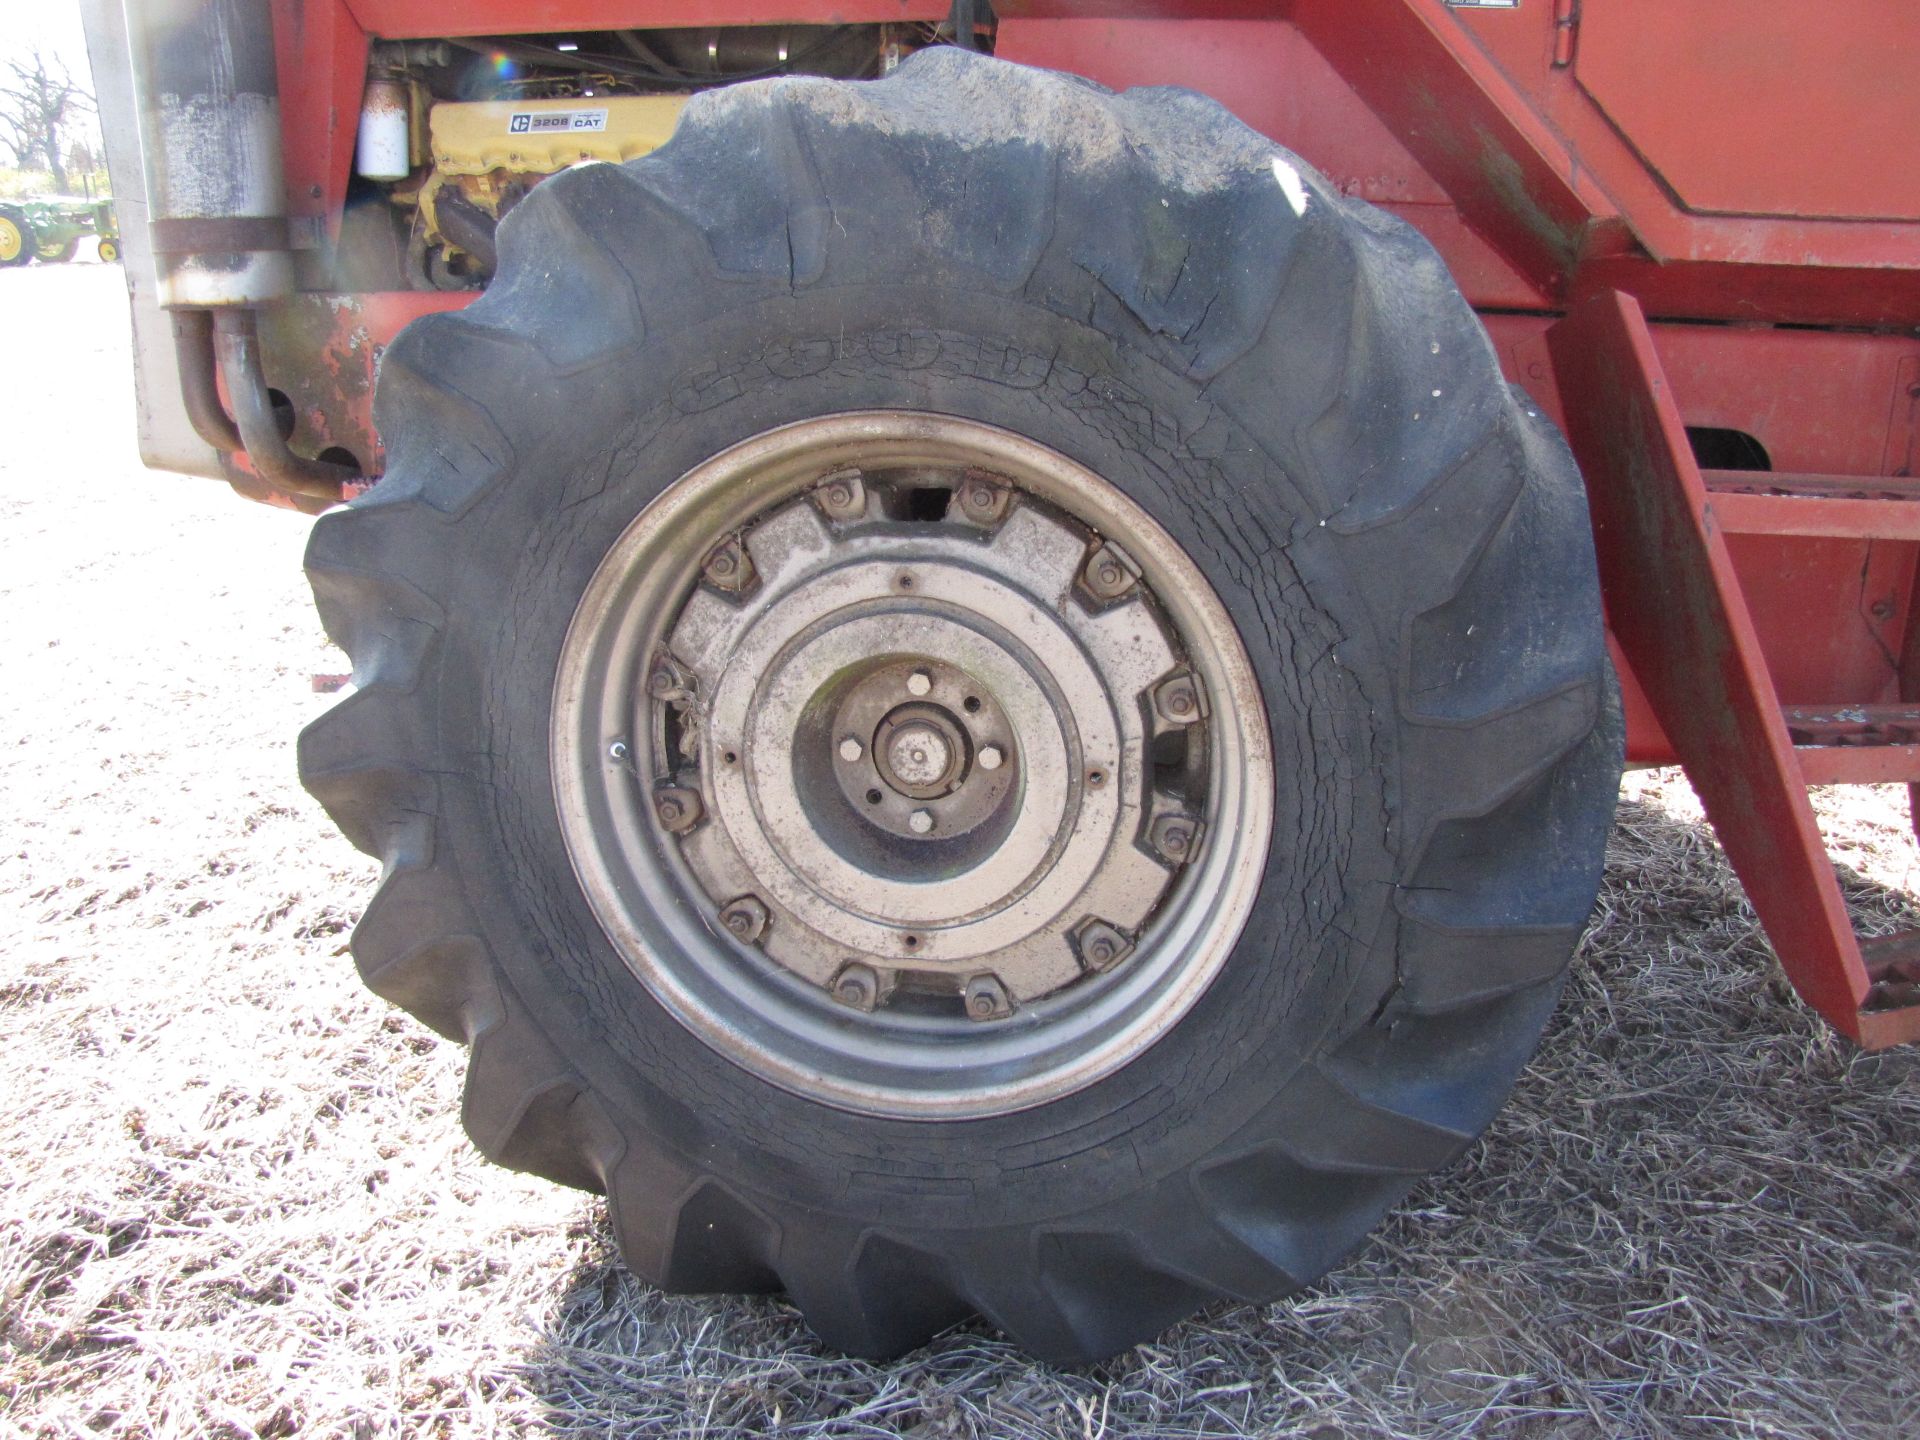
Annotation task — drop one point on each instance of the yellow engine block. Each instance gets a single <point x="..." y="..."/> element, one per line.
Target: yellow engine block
<point x="538" y="137"/>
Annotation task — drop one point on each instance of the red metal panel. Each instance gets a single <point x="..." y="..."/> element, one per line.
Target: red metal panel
<point x="1750" y="109"/>
<point x="321" y="52"/>
<point x="1676" y="606"/>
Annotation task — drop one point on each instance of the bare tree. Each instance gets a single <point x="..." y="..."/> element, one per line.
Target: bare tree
<point x="38" y="102"/>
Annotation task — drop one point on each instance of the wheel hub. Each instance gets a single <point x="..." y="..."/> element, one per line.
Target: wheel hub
<point x="910" y="724"/>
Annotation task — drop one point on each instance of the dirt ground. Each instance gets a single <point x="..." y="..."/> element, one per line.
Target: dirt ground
<point x="235" y="1199"/>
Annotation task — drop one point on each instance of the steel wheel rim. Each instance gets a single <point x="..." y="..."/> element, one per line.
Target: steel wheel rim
<point x="10" y="240"/>
<point x="748" y="624"/>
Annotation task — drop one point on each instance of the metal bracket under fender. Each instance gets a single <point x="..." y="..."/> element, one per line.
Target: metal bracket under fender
<point x="1675" y="604"/>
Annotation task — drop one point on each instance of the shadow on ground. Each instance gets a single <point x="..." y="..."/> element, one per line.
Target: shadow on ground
<point x="1700" y="1215"/>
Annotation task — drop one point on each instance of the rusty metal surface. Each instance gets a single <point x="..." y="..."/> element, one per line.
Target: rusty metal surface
<point x="1677" y="609"/>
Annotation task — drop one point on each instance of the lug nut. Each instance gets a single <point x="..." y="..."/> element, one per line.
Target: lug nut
<point x="990" y="757"/>
<point x="1101" y="946"/>
<point x="843" y="497"/>
<point x="1109" y="573"/>
<point x="1179" y="700"/>
<point x="919" y="683"/>
<point x="729" y="567"/>
<point x="986" y="998"/>
<point x="851" y="750"/>
<point x="678" y="808"/>
<point x="858" y="986"/>
<point x="617" y="751"/>
<point x="983" y="501"/>
<point x="920" y="821"/>
<point x="1176" y="837"/>
<point x="745" y="919"/>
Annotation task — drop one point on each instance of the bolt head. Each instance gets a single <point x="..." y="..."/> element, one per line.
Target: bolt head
<point x="617" y="750"/>
<point x="851" y="749"/>
<point x="745" y="919"/>
<point x="986" y="998"/>
<point x="990" y="757"/>
<point x="920" y="822"/>
<point x="857" y="986"/>
<point x="1101" y="945"/>
<point x="671" y="810"/>
<point x="919" y="683"/>
<point x="1178" y="700"/>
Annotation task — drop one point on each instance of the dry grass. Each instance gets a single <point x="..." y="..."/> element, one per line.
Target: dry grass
<point x="234" y="1199"/>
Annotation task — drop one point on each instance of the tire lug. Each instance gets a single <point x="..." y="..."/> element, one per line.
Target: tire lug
<point x="745" y="919"/>
<point x="1175" y="838"/>
<point x="1108" y="574"/>
<point x="678" y="808"/>
<point x="728" y="567"/>
<point x="1179" y="699"/>
<point x="842" y="497"/>
<point x="987" y="999"/>
<point x="982" y="501"/>
<point x="1101" y="946"/>
<point x="857" y="986"/>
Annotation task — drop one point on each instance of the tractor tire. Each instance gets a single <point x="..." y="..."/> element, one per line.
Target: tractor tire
<point x="57" y="253"/>
<point x="17" y="242"/>
<point x="109" y="252"/>
<point x="1167" y="508"/>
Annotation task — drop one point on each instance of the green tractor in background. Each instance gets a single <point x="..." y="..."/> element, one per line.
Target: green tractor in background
<point x="52" y="227"/>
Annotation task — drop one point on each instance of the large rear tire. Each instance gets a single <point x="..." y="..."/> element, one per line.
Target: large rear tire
<point x="711" y="386"/>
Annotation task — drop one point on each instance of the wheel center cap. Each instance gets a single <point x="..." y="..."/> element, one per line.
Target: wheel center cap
<point x="919" y="755"/>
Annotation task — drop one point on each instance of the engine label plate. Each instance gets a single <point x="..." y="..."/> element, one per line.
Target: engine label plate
<point x="547" y="122"/>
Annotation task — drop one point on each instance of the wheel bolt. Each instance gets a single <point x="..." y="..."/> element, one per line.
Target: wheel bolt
<point x="729" y="567"/>
<point x="990" y="757"/>
<point x="843" y="497"/>
<point x="919" y="683"/>
<point x="986" y="998"/>
<point x="745" y="919"/>
<point x="1101" y="946"/>
<point x="1179" y="700"/>
<point x="851" y="750"/>
<point x="677" y="807"/>
<point x="920" y="821"/>
<point x="1174" y="836"/>
<point x="857" y="985"/>
<point x="617" y="751"/>
<point x="1108" y="574"/>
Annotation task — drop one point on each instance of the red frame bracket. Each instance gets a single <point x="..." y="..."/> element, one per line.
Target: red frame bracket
<point x="1675" y="604"/>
